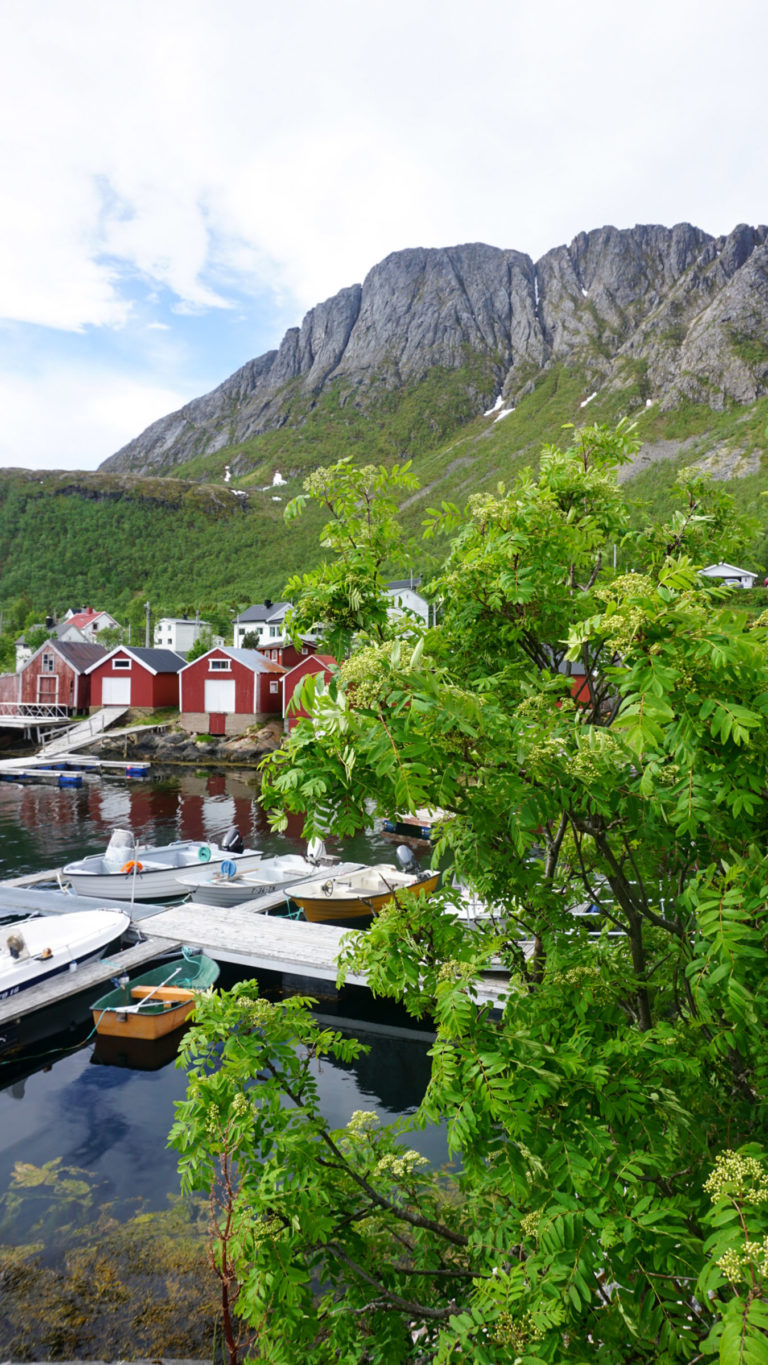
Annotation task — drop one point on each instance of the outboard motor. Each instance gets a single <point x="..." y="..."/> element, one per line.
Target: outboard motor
<point x="17" y="946"/>
<point x="408" y="860"/>
<point x="121" y="847"/>
<point x="233" y="841"/>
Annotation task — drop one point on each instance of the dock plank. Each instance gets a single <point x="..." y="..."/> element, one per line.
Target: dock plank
<point x="239" y="935"/>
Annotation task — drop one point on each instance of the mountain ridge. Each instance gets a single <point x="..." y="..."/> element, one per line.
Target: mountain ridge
<point x="673" y="314"/>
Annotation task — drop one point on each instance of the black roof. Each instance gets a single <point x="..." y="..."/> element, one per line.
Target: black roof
<point x="80" y="656"/>
<point x="161" y="660"/>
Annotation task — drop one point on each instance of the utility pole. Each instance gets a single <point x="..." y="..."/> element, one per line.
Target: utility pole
<point x="146" y="628"/>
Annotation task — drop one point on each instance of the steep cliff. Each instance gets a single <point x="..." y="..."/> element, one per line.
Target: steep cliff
<point x="673" y="312"/>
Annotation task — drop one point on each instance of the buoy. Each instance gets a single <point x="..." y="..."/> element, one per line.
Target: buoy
<point x="228" y="869"/>
<point x="204" y="853"/>
<point x="132" y="866"/>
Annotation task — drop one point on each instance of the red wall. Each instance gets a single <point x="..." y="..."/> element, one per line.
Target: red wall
<point x="9" y="687"/>
<point x="287" y="655"/>
<point x="319" y="663"/>
<point x="62" y="687"/>
<point x="252" y="692"/>
<point x="148" y="689"/>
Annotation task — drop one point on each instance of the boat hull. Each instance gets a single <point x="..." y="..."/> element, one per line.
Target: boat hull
<point x="273" y="874"/>
<point x="113" y="1023"/>
<point x="340" y="908"/>
<point x="56" y="944"/>
<point x="155" y="882"/>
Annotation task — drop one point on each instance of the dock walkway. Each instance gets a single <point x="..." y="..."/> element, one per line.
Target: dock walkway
<point x="241" y="935"/>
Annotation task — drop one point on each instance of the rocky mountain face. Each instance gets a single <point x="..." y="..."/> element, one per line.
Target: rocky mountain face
<point x="673" y="311"/>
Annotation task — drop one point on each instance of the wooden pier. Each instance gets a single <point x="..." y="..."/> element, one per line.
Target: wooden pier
<point x="241" y="935"/>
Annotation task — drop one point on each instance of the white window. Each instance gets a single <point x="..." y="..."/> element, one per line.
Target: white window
<point x="220" y="665"/>
<point x="274" y="686"/>
<point x="121" y="663"/>
<point x="47" y="664"/>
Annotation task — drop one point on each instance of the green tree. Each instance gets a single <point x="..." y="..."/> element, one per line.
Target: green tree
<point x="202" y="644"/>
<point x="113" y="635"/>
<point x="36" y="635"/>
<point x="609" y="1124"/>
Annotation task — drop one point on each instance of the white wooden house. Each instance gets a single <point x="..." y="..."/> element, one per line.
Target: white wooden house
<point x="731" y="575"/>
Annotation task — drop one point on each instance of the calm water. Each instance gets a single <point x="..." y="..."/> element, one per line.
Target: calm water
<point x="107" y="1112"/>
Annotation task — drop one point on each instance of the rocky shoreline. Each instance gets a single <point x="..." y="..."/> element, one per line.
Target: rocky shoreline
<point x="177" y="746"/>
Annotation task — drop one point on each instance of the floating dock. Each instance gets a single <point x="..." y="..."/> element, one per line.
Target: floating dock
<point x="241" y="935"/>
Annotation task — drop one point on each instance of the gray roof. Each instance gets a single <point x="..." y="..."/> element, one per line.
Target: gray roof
<point x="253" y="658"/>
<point x="261" y="612"/>
<point x="156" y="660"/>
<point x="80" y="656"/>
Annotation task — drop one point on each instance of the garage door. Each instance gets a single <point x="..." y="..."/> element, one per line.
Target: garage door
<point x="220" y="695"/>
<point x="116" y="692"/>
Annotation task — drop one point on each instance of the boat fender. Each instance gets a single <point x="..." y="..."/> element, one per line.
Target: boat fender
<point x="229" y="869"/>
<point x="204" y="853"/>
<point x="133" y="865"/>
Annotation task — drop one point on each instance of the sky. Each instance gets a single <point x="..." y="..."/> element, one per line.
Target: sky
<point x="181" y="180"/>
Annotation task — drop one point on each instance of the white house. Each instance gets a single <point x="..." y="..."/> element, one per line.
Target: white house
<point x="85" y="624"/>
<point x="179" y="633"/>
<point x="405" y="598"/>
<point x="731" y="575"/>
<point x="266" y="620"/>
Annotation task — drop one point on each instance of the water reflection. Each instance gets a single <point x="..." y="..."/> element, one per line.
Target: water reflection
<point x="63" y="1096"/>
<point x="44" y="826"/>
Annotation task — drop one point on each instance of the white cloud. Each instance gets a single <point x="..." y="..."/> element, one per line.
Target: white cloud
<point x="226" y="151"/>
<point x="84" y="417"/>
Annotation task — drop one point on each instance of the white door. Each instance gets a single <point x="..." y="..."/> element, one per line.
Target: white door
<point x="116" y="692"/>
<point x="220" y="694"/>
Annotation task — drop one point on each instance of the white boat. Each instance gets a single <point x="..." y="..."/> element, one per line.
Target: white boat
<point x="35" y="949"/>
<point x="229" y="884"/>
<point x="130" y="871"/>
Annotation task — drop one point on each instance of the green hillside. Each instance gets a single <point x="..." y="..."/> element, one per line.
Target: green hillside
<point x="190" y="543"/>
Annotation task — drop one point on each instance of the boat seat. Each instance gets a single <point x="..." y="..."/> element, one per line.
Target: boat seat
<point x="162" y="992"/>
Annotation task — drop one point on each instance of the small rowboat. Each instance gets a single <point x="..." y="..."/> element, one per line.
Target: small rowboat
<point x="135" y="872"/>
<point x="158" y="1001"/>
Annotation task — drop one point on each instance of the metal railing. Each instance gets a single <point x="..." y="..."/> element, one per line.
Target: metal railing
<point x="36" y="710"/>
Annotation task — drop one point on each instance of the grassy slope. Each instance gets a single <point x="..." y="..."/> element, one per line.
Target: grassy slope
<point x="187" y="542"/>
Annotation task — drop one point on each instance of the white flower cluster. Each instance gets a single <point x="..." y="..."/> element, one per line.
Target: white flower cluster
<point x="738" y="1177"/>
<point x="363" y="1121"/>
<point x="400" y="1167"/>
<point x="741" y="1264"/>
